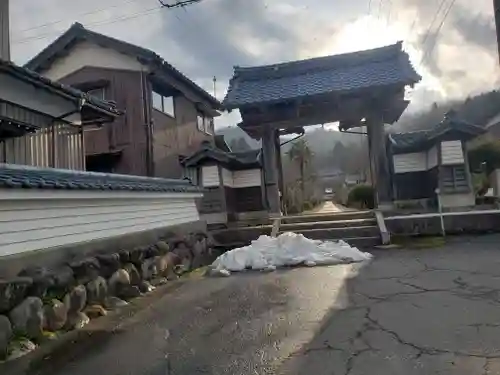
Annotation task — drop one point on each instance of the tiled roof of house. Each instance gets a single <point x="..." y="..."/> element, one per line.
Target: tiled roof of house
<point x="78" y="32"/>
<point x="233" y="160"/>
<point x="23" y="177"/>
<point x="342" y="73"/>
<point x="406" y="142"/>
<point x="63" y="90"/>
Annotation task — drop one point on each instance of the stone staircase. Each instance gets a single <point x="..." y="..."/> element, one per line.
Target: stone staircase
<point x="358" y="228"/>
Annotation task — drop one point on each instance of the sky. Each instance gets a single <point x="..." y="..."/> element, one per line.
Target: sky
<point x="208" y="38"/>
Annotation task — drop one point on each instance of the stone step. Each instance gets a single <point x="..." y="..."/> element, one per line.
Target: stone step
<point x="294" y="227"/>
<point x="339" y="233"/>
<point x="340" y="216"/>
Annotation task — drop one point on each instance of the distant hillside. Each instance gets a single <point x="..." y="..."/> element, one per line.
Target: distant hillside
<point x="320" y="140"/>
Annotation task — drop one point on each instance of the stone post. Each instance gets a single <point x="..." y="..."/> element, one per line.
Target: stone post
<point x="378" y="155"/>
<point x="4" y="30"/>
<point x="270" y="163"/>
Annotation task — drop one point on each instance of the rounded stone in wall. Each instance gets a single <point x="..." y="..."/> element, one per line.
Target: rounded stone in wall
<point x="5" y="335"/>
<point x="27" y="318"/>
<point x="12" y="292"/>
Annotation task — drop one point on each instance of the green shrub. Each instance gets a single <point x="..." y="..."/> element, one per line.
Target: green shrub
<point x="361" y="196"/>
<point x="307" y="206"/>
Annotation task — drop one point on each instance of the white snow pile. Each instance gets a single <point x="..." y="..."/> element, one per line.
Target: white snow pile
<point x="288" y="249"/>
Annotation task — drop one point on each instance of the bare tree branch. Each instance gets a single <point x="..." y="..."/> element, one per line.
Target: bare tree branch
<point x="178" y="3"/>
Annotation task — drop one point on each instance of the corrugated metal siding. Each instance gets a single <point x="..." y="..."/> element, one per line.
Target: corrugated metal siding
<point x="34" y="224"/>
<point x="210" y="176"/>
<point x="412" y="162"/>
<point x="37" y="149"/>
<point x="452" y="153"/>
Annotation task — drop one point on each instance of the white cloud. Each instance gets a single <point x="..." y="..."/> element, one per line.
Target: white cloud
<point x="211" y="37"/>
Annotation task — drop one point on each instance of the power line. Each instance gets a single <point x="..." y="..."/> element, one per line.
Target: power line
<point x="98" y="23"/>
<point x="52" y="23"/>
<point x="434" y="19"/>
<point x="436" y="35"/>
<point x="178" y="3"/>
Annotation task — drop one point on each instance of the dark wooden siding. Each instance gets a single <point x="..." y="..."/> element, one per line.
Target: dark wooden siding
<point x="173" y="137"/>
<point x="128" y="132"/>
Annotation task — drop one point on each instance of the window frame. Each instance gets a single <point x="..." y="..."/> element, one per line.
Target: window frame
<point x="454" y="184"/>
<point x="205" y="123"/>
<point x="163" y="99"/>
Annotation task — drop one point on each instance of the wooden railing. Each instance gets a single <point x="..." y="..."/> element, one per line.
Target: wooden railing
<point x="58" y="146"/>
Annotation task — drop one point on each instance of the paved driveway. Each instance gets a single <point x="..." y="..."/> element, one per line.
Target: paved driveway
<point x="407" y="312"/>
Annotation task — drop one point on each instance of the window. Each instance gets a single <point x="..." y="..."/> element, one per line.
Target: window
<point x="454" y="178"/>
<point x="205" y="124"/>
<point x="164" y="104"/>
<point x="98" y="93"/>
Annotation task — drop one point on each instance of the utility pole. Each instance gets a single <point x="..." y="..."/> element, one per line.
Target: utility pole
<point x="178" y="3"/>
<point x="4" y="30"/>
<point x="496" y="10"/>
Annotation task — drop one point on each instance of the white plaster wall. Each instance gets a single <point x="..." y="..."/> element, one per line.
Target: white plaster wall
<point x="411" y="162"/>
<point x="495" y="182"/>
<point x="247" y="178"/>
<point x="40" y="219"/>
<point x="458" y="200"/>
<point x="22" y="93"/>
<point x="89" y="54"/>
<point x="227" y="177"/>
<point x="452" y="153"/>
<point x="432" y="157"/>
<point x="210" y="176"/>
<point x="215" y="218"/>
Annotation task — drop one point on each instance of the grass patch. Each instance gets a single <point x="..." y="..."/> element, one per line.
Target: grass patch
<point x="419" y="242"/>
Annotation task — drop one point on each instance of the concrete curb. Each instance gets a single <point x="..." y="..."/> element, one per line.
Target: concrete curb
<point x="70" y="345"/>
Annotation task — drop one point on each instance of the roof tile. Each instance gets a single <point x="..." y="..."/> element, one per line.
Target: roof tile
<point x="339" y="73"/>
<point x="22" y="177"/>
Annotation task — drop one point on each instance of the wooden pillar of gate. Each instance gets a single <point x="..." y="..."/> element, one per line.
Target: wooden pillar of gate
<point x="270" y="164"/>
<point x="380" y="164"/>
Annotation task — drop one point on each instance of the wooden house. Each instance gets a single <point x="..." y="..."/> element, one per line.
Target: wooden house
<point x="433" y="161"/>
<point x="167" y="116"/>
<point x="232" y="183"/>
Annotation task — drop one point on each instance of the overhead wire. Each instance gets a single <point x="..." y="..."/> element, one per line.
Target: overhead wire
<point x="96" y="11"/>
<point x="97" y="23"/>
<point x="430" y="50"/>
<point x="434" y="19"/>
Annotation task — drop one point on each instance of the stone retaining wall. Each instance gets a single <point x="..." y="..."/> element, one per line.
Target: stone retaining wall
<point x="39" y="302"/>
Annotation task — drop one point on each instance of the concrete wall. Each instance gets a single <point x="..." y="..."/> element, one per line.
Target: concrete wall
<point x="32" y="220"/>
<point x="455" y="223"/>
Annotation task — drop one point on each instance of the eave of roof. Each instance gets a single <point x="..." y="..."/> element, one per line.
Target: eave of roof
<point x="25" y="177"/>
<point x="59" y="89"/>
<point x="340" y="74"/>
<point x="78" y="32"/>
<point x="418" y="140"/>
<point x="233" y="160"/>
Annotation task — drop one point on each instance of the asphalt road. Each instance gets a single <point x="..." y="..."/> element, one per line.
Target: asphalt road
<point x="408" y="312"/>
